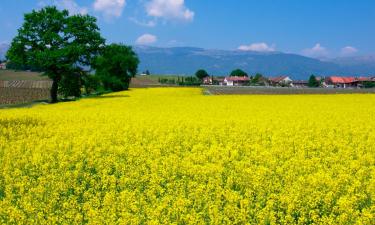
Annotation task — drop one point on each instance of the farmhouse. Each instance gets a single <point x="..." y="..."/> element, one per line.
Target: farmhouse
<point x="236" y="81"/>
<point x="280" y="81"/>
<point x="207" y="81"/>
<point x="341" y="82"/>
<point x="3" y="66"/>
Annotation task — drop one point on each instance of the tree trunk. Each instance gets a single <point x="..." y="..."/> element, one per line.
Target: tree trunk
<point x="55" y="85"/>
<point x="127" y="83"/>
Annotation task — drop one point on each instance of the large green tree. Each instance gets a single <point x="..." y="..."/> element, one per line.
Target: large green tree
<point x="57" y="44"/>
<point x="200" y="74"/>
<point x="238" y="73"/>
<point x="115" y="66"/>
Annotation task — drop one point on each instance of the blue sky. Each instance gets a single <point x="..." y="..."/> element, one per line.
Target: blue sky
<point x="316" y="28"/>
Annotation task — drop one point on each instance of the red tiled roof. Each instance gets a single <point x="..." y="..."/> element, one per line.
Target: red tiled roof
<point x="277" y="79"/>
<point x="235" y="78"/>
<point x="364" y="79"/>
<point x="342" y="80"/>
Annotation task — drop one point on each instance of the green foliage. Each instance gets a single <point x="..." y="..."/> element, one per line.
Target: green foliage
<point x="257" y="78"/>
<point x="56" y="44"/>
<point x="91" y="83"/>
<point x="70" y="85"/>
<point x="369" y="84"/>
<point x="238" y="73"/>
<point x="313" y="82"/>
<point x="190" y="81"/>
<point x="167" y="81"/>
<point x="200" y="74"/>
<point x="115" y="66"/>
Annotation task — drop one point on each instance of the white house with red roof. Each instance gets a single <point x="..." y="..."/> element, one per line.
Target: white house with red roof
<point x="280" y="81"/>
<point x="236" y="81"/>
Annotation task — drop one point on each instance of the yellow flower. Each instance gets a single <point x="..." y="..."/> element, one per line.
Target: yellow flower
<point x="175" y="156"/>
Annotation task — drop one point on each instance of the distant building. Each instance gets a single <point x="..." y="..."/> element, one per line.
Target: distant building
<point x="3" y="66"/>
<point x="145" y="73"/>
<point x="364" y="82"/>
<point x="341" y="82"/>
<point x="364" y="79"/>
<point x="236" y="81"/>
<point x="300" y="83"/>
<point x="207" y="81"/>
<point x="280" y="81"/>
<point x="218" y="80"/>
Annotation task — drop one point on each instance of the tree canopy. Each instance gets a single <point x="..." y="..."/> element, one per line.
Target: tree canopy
<point x="57" y="44"/>
<point x="115" y="66"/>
<point x="238" y="73"/>
<point x="200" y="74"/>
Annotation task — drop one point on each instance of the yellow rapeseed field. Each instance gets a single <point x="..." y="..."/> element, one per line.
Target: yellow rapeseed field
<point x="175" y="156"/>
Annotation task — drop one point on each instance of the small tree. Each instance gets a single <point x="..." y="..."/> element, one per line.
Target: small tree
<point x="313" y="82"/>
<point x="257" y="78"/>
<point x="200" y="74"/>
<point x="238" y="73"/>
<point x="57" y="44"/>
<point x="115" y="66"/>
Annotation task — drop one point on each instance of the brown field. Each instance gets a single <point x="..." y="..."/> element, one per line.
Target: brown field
<point x="23" y="87"/>
<point x="9" y="75"/>
<point x="143" y="81"/>
<point x="225" y="90"/>
<point x="22" y="95"/>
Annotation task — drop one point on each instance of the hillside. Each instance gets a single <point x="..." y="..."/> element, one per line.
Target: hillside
<point x="185" y="60"/>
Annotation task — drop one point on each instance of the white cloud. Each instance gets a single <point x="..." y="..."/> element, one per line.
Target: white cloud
<point x="348" y="51"/>
<point x="257" y="47"/>
<point x="110" y="8"/>
<point x="146" y="39"/>
<point x="169" y="9"/>
<point x="150" y="23"/>
<point x="318" y="51"/>
<point x="72" y="7"/>
<point x="69" y="5"/>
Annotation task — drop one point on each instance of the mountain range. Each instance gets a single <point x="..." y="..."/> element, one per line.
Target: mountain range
<point x="187" y="60"/>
